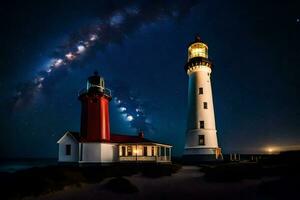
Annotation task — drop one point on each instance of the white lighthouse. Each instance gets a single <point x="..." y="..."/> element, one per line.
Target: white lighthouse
<point x="201" y="134"/>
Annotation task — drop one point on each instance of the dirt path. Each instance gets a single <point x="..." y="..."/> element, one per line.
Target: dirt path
<point x="187" y="183"/>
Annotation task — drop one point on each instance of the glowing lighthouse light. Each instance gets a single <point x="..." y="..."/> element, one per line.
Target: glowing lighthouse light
<point x="198" y="49"/>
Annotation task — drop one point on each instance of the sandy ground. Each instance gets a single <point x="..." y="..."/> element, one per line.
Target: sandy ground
<point x="187" y="183"/>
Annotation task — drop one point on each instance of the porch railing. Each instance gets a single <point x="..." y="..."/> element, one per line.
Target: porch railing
<point x="144" y="158"/>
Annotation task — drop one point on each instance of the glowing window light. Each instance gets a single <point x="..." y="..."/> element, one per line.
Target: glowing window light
<point x="129" y="118"/>
<point x="198" y="50"/>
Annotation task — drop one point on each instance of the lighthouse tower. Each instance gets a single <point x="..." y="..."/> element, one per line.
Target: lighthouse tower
<point x="95" y="99"/>
<point x="201" y="138"/>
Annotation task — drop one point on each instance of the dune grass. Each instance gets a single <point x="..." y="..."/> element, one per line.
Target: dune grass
<point x="42" y="180"/>
<point x="121" y="185"/>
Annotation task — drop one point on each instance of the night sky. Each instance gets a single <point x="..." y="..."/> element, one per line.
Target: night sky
<point x="141" y="52"/>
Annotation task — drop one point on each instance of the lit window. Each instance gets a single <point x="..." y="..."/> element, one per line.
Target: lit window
<point x="198" y="50"/>
<point x="200" y="90"/>
<point x="205" y="105"/>
<point x="201" y="139"/>
<point x="201" y="124"/>
<point x="123" y="151"/>
<point x="129" y="151"/>
<point x="68" y="149"/>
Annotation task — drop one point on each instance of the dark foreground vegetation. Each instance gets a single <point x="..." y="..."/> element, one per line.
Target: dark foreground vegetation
<point x="42" y="180"/>
<point x="282" y="172"/>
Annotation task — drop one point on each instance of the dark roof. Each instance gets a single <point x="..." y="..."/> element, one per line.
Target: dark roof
<point x="76" y="135"/>
<point x="118" y="138"/>
<point x="197" y="40"/>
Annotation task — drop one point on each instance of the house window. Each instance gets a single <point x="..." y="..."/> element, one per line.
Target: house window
<point x="200" y="91"/>
<point x="201" y="140"/>
<point x="68" y="149"/>
<point x="201" y="124"/>
<point x="145" y="151"/>
<point x="205" y="105"/>
<point x="123" y="151"/>
<point x="129" y="151"/>
<point x="152" y="151"/>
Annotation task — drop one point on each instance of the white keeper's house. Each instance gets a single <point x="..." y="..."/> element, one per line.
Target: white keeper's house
<point x="96" y="144"/>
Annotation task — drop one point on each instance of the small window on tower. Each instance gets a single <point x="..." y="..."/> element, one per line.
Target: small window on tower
<point x="201" y="124"/>
<point x="68" y="149"/>
<point x="200" y="90"/>
<point x="201" y="140"/>
<point x="205" y="105"/>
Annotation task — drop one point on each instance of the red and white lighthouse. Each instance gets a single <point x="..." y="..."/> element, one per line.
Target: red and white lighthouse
<point x="95" y="126"/>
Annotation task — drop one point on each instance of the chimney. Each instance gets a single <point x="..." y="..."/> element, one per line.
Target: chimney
<point x="141" y="134"/>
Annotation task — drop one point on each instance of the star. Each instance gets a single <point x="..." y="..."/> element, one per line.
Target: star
<point x="298" y="20"/>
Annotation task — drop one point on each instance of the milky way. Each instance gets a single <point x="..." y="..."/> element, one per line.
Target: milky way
<point x="111" y="28"/>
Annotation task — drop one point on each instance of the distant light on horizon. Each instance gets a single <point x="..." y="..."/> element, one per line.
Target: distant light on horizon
<point x="270" y="150"/>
